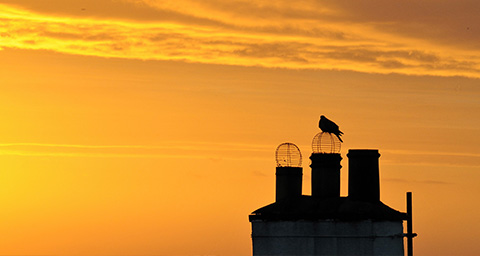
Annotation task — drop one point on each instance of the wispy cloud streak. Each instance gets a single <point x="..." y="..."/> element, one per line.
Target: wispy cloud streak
<point x="225" y="151"/>
<point x="172" y="150"/>
<point x="428" y="182"/>
<point x="431" y="158"/>
<point x="307" y="37"/>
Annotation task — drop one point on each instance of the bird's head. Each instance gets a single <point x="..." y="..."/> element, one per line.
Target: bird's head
<point x="322" y="116"/>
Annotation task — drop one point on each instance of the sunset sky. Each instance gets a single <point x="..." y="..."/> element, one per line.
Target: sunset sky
<point x="149" y="127"/>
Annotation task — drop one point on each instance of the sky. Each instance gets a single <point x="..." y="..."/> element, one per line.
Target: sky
<point x="148" y="127"/>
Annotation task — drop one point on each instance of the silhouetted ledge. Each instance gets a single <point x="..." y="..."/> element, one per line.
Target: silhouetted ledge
<point x="314" y="208"/>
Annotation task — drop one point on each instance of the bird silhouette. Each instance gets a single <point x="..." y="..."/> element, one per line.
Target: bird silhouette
<point x="327" y="125"/>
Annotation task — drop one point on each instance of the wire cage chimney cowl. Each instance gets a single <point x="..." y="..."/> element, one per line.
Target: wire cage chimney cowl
<point x="326" y="143"/>
<point x="288" y="155"/>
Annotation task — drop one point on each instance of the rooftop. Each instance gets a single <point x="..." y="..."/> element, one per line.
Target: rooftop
<point x="314" y="208"/>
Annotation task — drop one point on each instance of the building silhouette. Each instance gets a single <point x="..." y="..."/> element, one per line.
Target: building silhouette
<point x="325" y="223"/>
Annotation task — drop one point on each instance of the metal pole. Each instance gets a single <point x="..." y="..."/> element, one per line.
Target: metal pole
<point x="410" y="234"/>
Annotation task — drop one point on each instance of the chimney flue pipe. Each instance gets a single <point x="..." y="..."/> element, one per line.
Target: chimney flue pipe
<point x="363" y="175"/>
<point x="288" y="182"/>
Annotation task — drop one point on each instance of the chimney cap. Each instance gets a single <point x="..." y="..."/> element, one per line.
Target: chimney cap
<point x="363" y="153"/>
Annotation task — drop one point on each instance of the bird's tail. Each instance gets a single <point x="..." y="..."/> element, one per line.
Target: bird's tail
<point x="338" y="136"/>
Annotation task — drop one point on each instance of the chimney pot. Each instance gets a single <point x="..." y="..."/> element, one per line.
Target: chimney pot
<point x="363" y="175"/>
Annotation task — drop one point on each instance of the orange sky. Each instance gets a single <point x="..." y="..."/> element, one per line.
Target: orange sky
<point x="143" y="127"/>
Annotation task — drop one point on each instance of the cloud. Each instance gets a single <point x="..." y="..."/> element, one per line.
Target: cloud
<point x="445" y="22"/>
<point x="429" y="182"/>
<point x="433" y="158"/>
<point x="305" y="35"/>
<point x="200" y="150"/>
<point x="259" y="173"/>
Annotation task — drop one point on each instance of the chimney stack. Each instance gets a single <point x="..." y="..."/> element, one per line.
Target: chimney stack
<point x="363" y="175"/>
<point x="288" y="182"/>
<point x="326" y="165"/>
<point x="289" y="171"/>
<point x="325" y="174"/>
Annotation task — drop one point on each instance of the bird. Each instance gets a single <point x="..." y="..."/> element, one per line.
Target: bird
<point x="327" y="125"/>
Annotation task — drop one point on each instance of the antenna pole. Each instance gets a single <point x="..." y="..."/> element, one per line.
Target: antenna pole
<point x="410" y="235"/>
